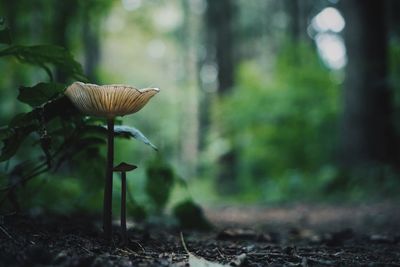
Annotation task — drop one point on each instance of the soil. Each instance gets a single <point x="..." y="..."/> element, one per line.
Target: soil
<point x="295" y="235"/>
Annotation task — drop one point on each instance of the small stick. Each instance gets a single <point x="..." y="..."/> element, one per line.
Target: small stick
<point x="5" y="232"/>
<point x="123" y="206"/>
<point x="137" y="243"/>
<point x="184" y="244"/>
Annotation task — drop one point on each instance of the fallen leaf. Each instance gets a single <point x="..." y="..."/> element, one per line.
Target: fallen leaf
<point x="238" y="260"/>
<point x="195" y="261"/>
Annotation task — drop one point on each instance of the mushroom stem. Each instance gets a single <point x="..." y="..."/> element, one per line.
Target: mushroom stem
<point x="107" y="208"/>
<point x="123" y="206"/>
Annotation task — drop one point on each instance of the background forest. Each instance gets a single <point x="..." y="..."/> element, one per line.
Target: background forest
<point x="261" y="101"/>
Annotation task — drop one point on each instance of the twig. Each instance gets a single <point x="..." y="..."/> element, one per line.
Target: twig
<point x="137" y="243"/>
<point x="5" y="232"/>
<point x="184" y="244"/>
<point x="126" y="251"/>
<point x="322" y="262"/>
<point x="85" y="249"/>
<point x="220" y="253"/>
<point x="36" y="171"/>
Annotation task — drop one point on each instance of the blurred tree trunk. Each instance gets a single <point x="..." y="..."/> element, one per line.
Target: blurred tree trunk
<point x="10" y="11"/>
<point x="220" y="18"/>
<point x="189" y="112"/>
<point x="64" y="14"/>
<point x="91" y="44"/>
<point x="367" y="130"/>
<point x="298" y="12"/>
<point x="220" y="25"/>
<point x="393" y="18"/>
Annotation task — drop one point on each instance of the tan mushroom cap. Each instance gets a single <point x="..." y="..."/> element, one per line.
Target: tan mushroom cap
<point x="108" y="100"/>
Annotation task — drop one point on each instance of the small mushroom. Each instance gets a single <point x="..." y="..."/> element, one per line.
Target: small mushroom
<point x="123" y="168"/>
<point x="108" y="101"/>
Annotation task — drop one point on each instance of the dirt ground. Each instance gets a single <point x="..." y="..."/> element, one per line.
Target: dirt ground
<point x="292" y="235"/>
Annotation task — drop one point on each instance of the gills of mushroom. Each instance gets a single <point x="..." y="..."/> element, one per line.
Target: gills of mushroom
<point x="108" y="101"/>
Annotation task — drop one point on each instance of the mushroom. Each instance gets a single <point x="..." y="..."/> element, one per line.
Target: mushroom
<point x="108" y="101"/>
<point x="123" y="168"/>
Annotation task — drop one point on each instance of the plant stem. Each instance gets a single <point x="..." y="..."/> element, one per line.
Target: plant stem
<point x="123" y="206"/>
<point x="107" y="211"/>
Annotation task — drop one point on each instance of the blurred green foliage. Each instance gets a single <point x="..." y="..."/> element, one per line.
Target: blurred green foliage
<point x="160" y="179"/>
<point x="283" y="125"/>
<point x="43" y="55"/>
<point x="191" y="216"/>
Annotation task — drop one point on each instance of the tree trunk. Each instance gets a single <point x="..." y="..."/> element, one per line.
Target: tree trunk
<point x="298" y="12"/>
<point x="63" y="15"/>
<point x="91" y="44"/>
<point x="190" y="108"/>
<point x="220" y="23"/>
<point x="367" y="130"/>
<point x="393" y="18"/>
<point x="220" y="17"/>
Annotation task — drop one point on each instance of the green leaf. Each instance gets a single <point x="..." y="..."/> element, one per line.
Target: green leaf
<point x="22" y="120"/>
<point x="5" y="132"/>
<point x="80" y="145"/>
<point x="91" y="130"/>
<point x="15" y="133"/>
<point x="24" y="168"/>
<point x="159" y="182"/>
<point x="14" y="141"/>
<point x="5" y="36"/>
<point x="60" y="107"/>
<point x="137" y="211"/>
<point x="43" y="55"/>
<point x="55" y="108"/>
<point x="127" y="131"/>
<point x="5" y="33"/>
<point x="89" y="142"/>
<point x="191" y="216"/>
<point x="40" y="93"/>
<point x="24" y="124"/>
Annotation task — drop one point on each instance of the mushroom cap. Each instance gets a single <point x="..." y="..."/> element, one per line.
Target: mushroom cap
<point x="108" y="100"/>
<point x="124" y="167"/>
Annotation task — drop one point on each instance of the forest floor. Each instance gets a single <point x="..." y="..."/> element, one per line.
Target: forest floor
<point x="293" y="235"/>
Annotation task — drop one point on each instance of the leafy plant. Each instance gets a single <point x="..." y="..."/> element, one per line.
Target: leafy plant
<point x="45" y="55"/>
<point x="53" y="124"/>
<point x="66" y="137"/>
<point x="159" y="183"/>
<point x="191" y="216"/>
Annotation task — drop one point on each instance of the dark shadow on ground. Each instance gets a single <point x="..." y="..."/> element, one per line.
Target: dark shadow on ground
<point x="295" y="235"/>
